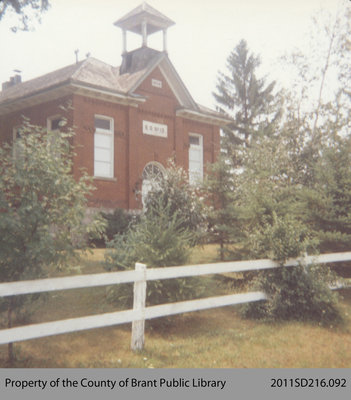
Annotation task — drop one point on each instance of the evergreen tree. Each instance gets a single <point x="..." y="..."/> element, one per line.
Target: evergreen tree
<point x="220" y="189"/>
<point x="247" y="98"/>
<point x="160" y="240"/>
<point x="327" y="204"/>
<point x="171" y="224"/>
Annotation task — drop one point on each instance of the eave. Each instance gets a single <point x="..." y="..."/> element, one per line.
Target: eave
<point x="202" y="117"/>
<point x="107" y="94"/>
<point x="65" y="89"/>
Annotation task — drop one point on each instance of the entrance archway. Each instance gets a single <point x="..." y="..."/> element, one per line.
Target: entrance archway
<point x="152" y="173"/>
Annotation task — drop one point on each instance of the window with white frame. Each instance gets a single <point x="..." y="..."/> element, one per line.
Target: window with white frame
<point x="103" y="147"/>
<point x="195" y="158"/>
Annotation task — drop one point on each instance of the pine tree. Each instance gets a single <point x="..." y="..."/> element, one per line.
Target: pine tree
<point x="220" y="190"/>
<point x="247" y="98"/>
<point x="328" y="202"/>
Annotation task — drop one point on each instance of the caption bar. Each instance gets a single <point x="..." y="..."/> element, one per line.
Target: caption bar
<point x="116" y="384"/>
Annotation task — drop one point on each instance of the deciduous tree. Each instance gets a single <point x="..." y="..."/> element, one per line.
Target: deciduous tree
<point x="42" y="208"/>
<point x="25" y="10"/>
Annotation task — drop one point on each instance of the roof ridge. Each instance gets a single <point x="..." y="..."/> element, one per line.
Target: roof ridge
<point x="25" y="83"/>
<point x="143" y="7"/>
<point x="83" y="62"/>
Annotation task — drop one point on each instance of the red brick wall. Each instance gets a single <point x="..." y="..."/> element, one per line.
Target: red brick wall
<point x="132" y="149"/>
<point x="160" y="107"/>
<point x="110" y="193"/>
<point x="37" y="115"/>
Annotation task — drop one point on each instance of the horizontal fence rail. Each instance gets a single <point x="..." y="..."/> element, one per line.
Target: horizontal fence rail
<point x="122" y="317"/>
<point x="113" y="278"/>
<point x="139" y="313"/>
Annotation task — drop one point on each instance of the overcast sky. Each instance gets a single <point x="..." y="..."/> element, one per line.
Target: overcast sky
<point x="206" y="31"/>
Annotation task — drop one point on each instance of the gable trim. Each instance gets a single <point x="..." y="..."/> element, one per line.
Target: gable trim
<point x="182" y="94"/>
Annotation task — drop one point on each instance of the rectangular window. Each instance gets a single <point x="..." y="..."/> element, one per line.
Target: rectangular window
<point x="103" y="147"/>
<point x="195" y="158"/>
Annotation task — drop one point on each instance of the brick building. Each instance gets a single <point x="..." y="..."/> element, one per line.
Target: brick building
<point x="128" y="120"/>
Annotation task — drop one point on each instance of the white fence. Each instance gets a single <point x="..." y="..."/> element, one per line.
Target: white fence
<point x="140" y="313"/>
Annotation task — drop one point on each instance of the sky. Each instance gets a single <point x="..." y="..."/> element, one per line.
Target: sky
<point x="205" y="33"/>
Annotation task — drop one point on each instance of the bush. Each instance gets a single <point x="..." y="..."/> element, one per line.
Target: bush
<point x="177" y="197"/>
<point x="157" y="241"/>
<point x="117" y="223"/>
<point x="298" y="293"/>
<point x="42" y="210"/>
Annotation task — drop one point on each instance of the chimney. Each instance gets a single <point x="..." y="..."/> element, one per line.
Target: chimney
<point x="14" y="80"/>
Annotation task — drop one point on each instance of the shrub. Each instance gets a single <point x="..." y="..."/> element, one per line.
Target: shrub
<point x="298" y="293"/>
<point x="177" y="197"/>
<point x="158" y="240"/>
<point x="117" y="223"/>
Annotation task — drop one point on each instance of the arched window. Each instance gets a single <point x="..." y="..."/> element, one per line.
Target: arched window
<point x="152" y="173"/>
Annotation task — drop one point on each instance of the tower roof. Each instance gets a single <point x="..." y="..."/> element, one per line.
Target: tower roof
<point x="155" y="20"/>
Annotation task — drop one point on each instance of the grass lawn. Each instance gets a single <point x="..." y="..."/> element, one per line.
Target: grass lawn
<point x="217" y="338"/>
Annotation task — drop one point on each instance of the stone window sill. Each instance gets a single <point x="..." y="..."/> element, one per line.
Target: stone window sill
<point x="101" y="178"/>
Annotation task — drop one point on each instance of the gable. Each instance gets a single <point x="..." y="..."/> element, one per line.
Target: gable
<point x="156" y="84"/>
<point x="171" y="78"/>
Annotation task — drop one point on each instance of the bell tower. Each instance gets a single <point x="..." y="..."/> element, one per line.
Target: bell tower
<point x="144" y="20"/>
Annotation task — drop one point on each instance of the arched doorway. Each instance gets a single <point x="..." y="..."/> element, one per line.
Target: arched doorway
<point x="152" y="173"/>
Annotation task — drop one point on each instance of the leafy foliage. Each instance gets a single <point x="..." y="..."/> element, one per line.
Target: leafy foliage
<point x="177" y="197"/>
<point x="117" y="223"/>
<point x="42" y="207"/>
<point x="25" y="10"/>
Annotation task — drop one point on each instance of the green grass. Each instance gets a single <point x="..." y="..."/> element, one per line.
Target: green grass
<point x="217" y="338"/>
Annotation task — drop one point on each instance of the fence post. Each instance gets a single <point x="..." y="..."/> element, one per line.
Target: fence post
<point x="138" y="327"/>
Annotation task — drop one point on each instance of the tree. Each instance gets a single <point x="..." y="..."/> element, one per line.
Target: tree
<point x="169" y="226"/>
<point x="23" y="9"/>
<point x="327" y="203"/>
<point x="247" y="98"/>
<point x="158" y="240"/>
<point x="317" y="103"/>
<point x="267" y="184"/>
<point x="42" y="209"/>
<point x="220" y="189"/>
<point x="316" y="129"/>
